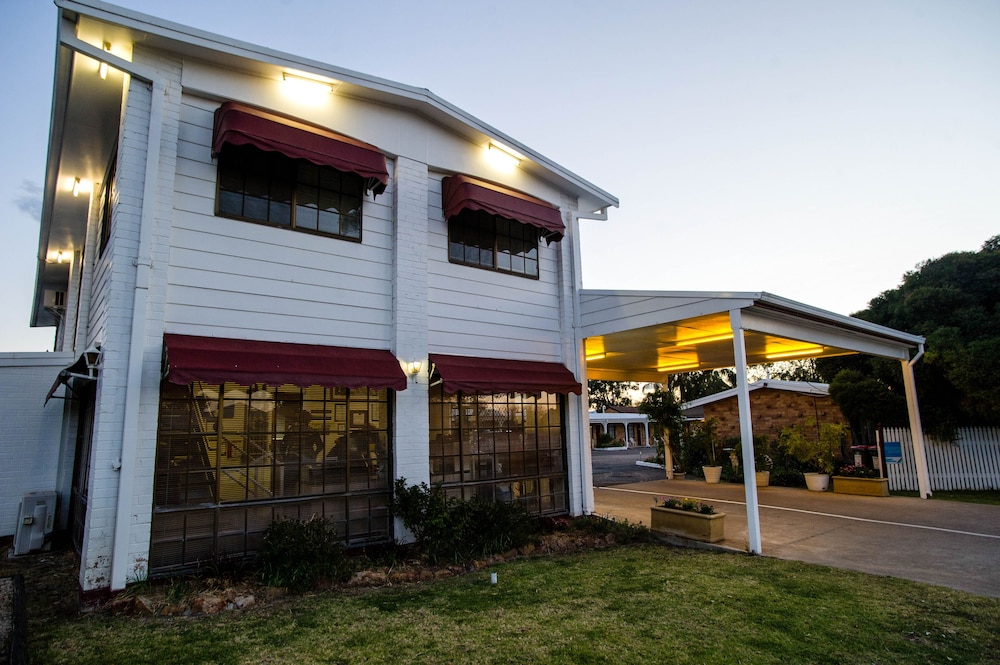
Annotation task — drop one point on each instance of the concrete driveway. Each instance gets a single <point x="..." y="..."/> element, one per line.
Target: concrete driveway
<point x="945" y="543"/>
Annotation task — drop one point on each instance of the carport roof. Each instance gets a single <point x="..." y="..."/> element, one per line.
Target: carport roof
<point x="647" y="335"/>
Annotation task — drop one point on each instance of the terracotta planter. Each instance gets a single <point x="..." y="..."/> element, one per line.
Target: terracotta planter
<point x="712" y="473"/>
<point x="763" y="478"/>
<point x="687" y="524"/>
<point x="817" y="482"/>
<point x="862" y="486"/>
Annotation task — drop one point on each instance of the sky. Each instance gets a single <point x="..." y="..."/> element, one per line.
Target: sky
<point x="814" y="150"/>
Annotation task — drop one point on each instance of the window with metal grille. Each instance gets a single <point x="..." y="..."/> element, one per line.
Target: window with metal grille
<point x="500" y="447"/>
<point x="231" y="458"/>
<point x="270" y="188"/>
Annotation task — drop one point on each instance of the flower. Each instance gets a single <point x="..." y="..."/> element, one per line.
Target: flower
<point x="857" y="471"/>
<point x="689" y="505"/>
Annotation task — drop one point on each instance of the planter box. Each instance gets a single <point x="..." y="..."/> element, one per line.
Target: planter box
<point x="862" y="486"/>
<point x="696" y="526"/>
<point x="763" y="478"/>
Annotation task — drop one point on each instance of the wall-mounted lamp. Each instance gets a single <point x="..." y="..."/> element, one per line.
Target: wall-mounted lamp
<point x="76" y="187"/>
<point x="102" y="70"/>
<point x="59" y="256"/>
<point x="93" y="357"/>
<point x="413" y="368"/>
<point x="307" y="83"/>
<point x="502" y="156"/>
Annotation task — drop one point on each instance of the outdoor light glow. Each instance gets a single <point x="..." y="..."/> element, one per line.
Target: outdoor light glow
<point x="791" y="354"/>
<point x="677" y="368"/>
<point x="700" y="340"/>
<point x="76" y="187"/>
<point x="502" y="157"/>
<point x="307" y="89"/>
<point x="102" y="70"/>
<point x="597" y="356"/>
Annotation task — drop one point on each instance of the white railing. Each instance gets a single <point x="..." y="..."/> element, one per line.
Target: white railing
<point x="971" y="462"/>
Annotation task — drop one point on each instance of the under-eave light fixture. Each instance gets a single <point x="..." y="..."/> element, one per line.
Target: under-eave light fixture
<point x="313" y="85"/>
<point x="794" y="354"/>
<point x="503" y="155"/>
<point x="413" y="368"/>
<point x="596" y="356"/>
<point x="76" y="187"/>
<point x="102" y="70"/>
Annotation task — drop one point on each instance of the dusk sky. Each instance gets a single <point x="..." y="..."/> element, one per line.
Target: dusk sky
<point x="817" y="151"/>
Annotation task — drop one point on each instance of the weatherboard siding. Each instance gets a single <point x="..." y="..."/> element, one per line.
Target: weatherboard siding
<point x="231" y="278"/>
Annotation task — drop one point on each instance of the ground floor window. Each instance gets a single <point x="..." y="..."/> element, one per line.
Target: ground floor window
<point x="509" y="447"/>
<point x="230" y="459"/>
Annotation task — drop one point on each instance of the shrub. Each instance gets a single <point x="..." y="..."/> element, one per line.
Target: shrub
<point x="299" y="554"/>
<point x="605" y="440"/>
<point x="451" y="529"/>
<point x="622" y="530"/>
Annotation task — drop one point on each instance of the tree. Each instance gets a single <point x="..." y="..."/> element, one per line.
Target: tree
<point x="609" y="393"/>
<point x="953" y="301"/>
<point x="693" y="385"/>
<point x="664" y="410"/>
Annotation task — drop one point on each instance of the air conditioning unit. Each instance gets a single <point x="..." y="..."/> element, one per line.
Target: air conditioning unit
<point x="35" y="521"/>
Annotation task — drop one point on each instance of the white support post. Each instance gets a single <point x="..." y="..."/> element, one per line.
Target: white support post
<point x="746" y="432"/>
<point x="916" y="431"/>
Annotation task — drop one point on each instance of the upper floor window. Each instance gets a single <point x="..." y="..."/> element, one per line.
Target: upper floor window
<point x="492" y="242"/>
<point x="271" y="188"/>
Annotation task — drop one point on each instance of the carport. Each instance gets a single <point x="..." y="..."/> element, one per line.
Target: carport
<point x="647" y="335"/>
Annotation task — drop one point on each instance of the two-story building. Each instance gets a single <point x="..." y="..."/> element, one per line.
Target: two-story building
<point x="278" y="286"/>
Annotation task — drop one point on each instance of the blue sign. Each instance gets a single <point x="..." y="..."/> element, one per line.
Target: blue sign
<point x="893" y="452"/>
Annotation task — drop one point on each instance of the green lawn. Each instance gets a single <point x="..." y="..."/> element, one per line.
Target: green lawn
<point x="641" y="604"/>
<point x="991" y="497"/>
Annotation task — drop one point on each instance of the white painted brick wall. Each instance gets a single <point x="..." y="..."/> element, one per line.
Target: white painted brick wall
<point x="410" y="445"/>
<point x="31" y="434"/>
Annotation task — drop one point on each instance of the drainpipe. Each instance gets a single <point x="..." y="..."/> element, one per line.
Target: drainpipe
<point x="916" y="431"/>
<point x="126" y="465"/>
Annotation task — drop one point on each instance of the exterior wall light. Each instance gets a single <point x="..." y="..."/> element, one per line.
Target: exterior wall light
<point x="502" y="156"/>
<point x="307" y="83"/>
<point x="76" y="187"/>
<point x="413" y="368"/>
<point x="102" y="69"/>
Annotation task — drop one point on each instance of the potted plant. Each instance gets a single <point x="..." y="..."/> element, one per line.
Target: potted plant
<point x="858" y="479"/>
<point x="702" y="437"/>
<point x="688" y="518"/>
<point x="815" y="451"/>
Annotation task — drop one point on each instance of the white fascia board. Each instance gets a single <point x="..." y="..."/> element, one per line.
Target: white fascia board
<point x="426" y="101"/>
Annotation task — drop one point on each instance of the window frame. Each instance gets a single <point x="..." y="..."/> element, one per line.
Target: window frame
<point x="291" y="168"/>
<point x="475" y="222"/>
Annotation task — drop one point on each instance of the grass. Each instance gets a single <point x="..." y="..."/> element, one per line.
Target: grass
<point x="990" y="497"/>
<point x="640" y="604"/>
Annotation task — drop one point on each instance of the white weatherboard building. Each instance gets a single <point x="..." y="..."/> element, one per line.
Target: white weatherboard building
<point x="278" y="286"/>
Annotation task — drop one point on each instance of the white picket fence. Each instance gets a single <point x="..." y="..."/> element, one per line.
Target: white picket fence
<point x="971" y="462"/>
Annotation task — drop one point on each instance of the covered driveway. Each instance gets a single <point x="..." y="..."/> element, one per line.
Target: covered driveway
<point x="648" y="335"/>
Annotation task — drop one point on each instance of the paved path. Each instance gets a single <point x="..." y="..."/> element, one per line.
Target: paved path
<point x="947" y="543"/>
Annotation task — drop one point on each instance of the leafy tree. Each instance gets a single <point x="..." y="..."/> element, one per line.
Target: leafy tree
<point x="609" y="393"/>
<point x="953" y="301"/>
<point x="664" y="410"/>
<point x="693" y="385"/>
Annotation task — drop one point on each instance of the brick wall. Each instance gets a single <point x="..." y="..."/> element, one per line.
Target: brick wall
<point x="773" y="410"/>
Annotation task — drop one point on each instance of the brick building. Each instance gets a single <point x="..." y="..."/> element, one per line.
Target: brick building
<point x="774" y="405"/>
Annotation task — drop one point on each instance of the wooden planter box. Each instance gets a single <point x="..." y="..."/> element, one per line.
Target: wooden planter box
<point x="862" y="486"/>
<point x="696" y="526"/>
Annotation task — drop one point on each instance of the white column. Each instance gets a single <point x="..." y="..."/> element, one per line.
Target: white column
<point x="916" y="431"/>
<point x="746" y="432"/>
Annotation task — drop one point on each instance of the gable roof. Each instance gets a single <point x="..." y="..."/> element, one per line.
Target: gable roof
<point x="803" y="387"/>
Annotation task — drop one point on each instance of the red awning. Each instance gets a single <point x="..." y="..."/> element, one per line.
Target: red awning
<point x="491" y="375"/>
<point x="238" y="124"/>
<point x="217" y="360"/>
<point x="461" y="192"/>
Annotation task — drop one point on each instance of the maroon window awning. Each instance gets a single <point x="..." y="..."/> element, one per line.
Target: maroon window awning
<point x="462" y="192"/>
<point x="190" y="358"/>
<point x="492" y="375"/>
<point x="239" y="124"/>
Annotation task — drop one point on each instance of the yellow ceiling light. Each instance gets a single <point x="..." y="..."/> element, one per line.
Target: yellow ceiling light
<point x="703" y="340"/>
<point x="596" y="356"/>
<point x="308" y="89"/>
<point x="679" y="367"/>
<point x="811" y="351"/>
